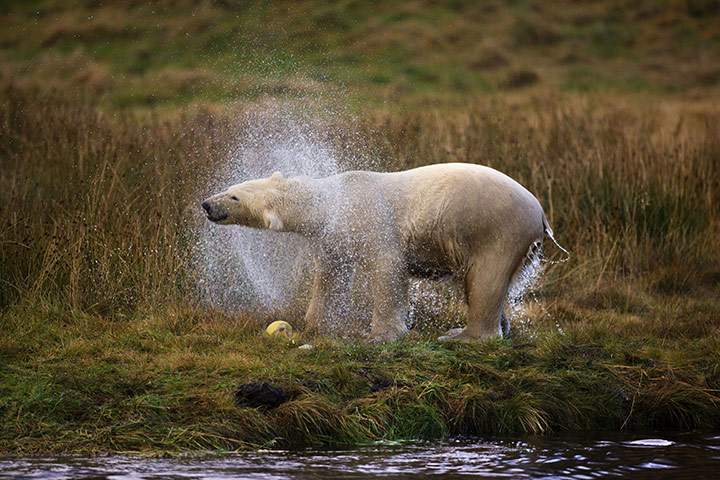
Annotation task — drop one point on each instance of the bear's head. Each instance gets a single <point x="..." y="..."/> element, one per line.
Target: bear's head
<point x="251" y="204"/>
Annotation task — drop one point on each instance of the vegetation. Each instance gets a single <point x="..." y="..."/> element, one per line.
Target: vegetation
<point x="168" y="53"/>
<point x="164" y="382"/>
<point x="107" y="343"/>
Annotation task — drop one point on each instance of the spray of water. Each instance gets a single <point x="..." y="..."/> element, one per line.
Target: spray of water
<point x="242" y="269"/>
<point x="521" y="294"/>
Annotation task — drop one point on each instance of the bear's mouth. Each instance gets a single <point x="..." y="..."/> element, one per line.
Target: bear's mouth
<point x="217" y="218"/>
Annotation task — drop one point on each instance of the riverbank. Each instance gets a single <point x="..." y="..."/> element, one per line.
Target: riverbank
<point x="120" y="328"/>
<point x="165" y="382"/>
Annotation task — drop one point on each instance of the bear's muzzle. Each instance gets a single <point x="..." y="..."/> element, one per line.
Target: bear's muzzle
<point x="213" y="212"/>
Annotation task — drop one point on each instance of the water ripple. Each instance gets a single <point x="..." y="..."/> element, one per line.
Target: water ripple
<point x="558" y="457"/>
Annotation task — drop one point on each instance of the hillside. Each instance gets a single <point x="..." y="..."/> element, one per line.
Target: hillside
<point x="169" y="53"/>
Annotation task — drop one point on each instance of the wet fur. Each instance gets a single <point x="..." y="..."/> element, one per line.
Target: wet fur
<point x="461" y="220"/>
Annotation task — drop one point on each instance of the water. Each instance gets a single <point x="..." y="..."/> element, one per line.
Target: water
<point x="584" y="456"/>
<point x="242" y="268"/>
<point x="522" y="292"/>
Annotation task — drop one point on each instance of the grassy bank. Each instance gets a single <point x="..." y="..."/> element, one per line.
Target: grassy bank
<point x="115" y="120"/>
<point x="165" y="381"/>
<point x="107" y="345"/>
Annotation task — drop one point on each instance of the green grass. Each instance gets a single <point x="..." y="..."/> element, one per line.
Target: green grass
<point x="114" y="118"/>
<point x="160" y="382"/>
<point x="137" y="56"/>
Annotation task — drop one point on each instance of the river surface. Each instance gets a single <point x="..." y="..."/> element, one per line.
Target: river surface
<point x="586" y="456"/>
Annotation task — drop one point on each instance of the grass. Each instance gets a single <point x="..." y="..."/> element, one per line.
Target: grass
<point x="108" y="346"/>
<point x="171" y="53"/>
<point x="164" y="382"/>
<point x="632" y="191"/>
<point x="108" y="142"/>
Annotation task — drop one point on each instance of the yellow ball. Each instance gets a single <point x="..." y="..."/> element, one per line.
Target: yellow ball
<point x="279" y="329"/>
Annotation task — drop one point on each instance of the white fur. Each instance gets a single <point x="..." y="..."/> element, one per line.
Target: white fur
<point x="463" y="220"/>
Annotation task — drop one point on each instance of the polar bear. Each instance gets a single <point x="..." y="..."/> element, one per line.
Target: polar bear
<point x="454" y="219"/>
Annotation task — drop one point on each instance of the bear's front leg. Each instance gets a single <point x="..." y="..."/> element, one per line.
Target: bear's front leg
<point x="329" y="303"/>
<point x="389" y="283"/>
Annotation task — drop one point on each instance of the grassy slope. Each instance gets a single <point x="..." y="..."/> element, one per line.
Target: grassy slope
<point x="169" y="53"/>
<point x="105" y="345"/>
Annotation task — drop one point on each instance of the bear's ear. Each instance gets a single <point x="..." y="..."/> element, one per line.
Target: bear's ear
<point x="272" y="220"/>
<point x="276" y="177"/>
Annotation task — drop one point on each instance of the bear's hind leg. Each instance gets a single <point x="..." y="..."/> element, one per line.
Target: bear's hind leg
<point x="504" y="324"/>
<point x="486" y="286"/>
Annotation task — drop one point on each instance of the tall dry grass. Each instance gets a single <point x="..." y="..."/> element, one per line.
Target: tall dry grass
<point x="95" y="208"/>
<point x="632" y="184"/>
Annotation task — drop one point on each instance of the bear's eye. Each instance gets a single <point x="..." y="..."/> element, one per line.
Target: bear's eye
<point x="234" y="198"/>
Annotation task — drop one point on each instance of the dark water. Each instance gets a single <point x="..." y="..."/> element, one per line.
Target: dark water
<point x="558" y="457"/>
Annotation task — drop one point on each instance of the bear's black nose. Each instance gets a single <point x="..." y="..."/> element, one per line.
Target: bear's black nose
<point x="215" y="213"/>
